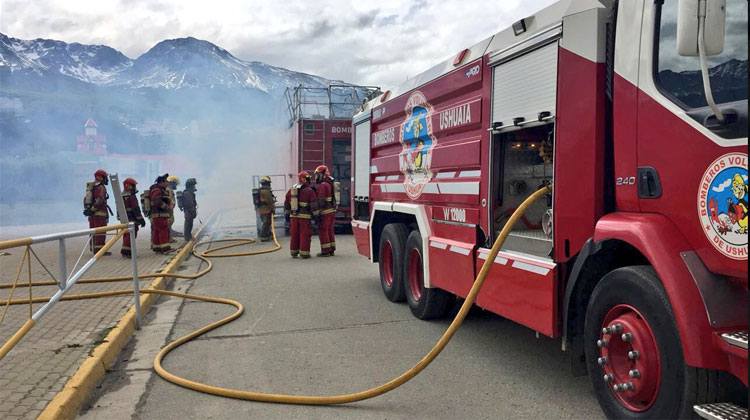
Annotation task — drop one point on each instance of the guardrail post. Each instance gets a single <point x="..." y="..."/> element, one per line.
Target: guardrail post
<point x="61" y="262"/>
<point x="136" y="282"/>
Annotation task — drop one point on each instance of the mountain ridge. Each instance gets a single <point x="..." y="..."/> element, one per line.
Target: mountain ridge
<point x="170" y="64"/>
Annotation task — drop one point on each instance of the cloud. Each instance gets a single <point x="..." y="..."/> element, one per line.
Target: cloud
<point x="358" y="42"/>
<point x="723" y="186"/>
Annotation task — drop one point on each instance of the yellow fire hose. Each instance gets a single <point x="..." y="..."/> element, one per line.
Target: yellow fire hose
<point x="303" y="399"/>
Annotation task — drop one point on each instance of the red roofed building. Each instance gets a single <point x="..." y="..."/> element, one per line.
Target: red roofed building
<point x="92" y="154"/>
<point x="92" y="142"/>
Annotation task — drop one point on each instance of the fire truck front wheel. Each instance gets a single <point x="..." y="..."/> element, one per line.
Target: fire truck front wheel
<point x="391" y="261"/>
<point x="633" y="351"/>
<point x="425" y="303"/>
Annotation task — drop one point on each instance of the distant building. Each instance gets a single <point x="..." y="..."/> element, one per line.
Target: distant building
<point x="92" y="154"/>
<point x="92" y="142"/>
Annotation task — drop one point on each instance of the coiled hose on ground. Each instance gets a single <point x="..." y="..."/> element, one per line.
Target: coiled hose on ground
<point x="283" y="398"/>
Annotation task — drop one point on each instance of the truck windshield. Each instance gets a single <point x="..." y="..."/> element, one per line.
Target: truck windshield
<point x="680" y="77"/>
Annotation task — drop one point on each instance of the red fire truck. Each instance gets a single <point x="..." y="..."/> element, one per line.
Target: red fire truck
<point x="321" y="133"/>
<point x="636" y="112"/>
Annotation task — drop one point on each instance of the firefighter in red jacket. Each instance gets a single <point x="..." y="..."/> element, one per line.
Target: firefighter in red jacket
<point x="98" y="208"/>
<point x="327" y="205"/>
<point x="300" y="206"/>
<point x="159" y="214"/>
<point x="130" y="197"/>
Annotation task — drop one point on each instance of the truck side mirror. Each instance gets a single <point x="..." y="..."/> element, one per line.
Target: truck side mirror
<point x="689" y="15"/>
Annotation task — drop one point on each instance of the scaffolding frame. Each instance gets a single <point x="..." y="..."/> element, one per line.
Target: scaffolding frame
<point x="336" y="101"/>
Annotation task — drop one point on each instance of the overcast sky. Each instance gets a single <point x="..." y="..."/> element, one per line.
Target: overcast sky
<point x="380" y="43"/>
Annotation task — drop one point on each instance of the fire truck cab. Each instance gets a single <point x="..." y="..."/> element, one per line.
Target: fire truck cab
<point x="636" y="112"/>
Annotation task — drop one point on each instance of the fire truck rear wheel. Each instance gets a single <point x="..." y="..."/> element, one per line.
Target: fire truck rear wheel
<point x="391" y="260"/>
<point x="425" y="303"/>
<point x="637" y="368"/>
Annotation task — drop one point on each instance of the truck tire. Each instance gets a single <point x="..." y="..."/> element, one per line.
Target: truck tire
<point x="391" y="260"/>
<point x="425" y="303"/>
<point x="632" y="300"/>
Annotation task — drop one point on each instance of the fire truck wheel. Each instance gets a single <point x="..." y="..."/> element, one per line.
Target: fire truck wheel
<point x="391" y="260"/>
<point x="425" y="303"/>
<point x="633" y="351"/>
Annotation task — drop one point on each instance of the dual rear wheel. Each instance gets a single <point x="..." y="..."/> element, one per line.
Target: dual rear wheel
<point x="401" y="257"/>
<point x="633" y="350"/>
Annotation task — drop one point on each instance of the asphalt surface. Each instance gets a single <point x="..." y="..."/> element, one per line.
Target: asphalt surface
<point x="323" y="327"/>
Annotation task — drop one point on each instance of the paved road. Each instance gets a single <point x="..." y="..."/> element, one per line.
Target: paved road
<point x="322" y="326"/>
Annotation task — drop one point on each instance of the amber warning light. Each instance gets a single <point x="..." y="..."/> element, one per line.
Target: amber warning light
<point x="460" y="57"/>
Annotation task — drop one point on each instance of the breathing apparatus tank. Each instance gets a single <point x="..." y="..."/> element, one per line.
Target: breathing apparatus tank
<point x="336" y="194"/>
<point x="256" y="197"/>
<point x="294" y="201"/>
<point x="146" y="202"/>
<point x="88" y="199"/>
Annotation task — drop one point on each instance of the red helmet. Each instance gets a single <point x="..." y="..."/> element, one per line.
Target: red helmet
<point x="130" y="181"/>
<point x="322" y="169"/>
<point x="101" y="172"/>
<point x="303" y="177"/>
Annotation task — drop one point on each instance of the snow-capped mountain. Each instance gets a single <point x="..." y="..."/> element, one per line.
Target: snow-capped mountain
<point x="170" y="64"/>
<point x="96" y="64"/>
<point x="182" y="94"/>
<point x="728" y="81"/>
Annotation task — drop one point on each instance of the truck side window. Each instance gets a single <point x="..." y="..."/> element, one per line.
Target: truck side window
<point x="679" y="78"/>
<point x="309" y="129"/>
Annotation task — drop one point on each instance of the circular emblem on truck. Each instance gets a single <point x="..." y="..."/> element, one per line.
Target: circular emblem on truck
<point x="722" y="205"/>
<point x="417" y="143"/>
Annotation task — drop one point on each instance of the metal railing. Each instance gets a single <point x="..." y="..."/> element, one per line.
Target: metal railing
<point x="67" y="281"/>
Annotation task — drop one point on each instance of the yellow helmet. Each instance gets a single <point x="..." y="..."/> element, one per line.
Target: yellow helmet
<point x="737" y="181"/>
<point x="174" y="179"/>
<point x="265" y="180"/>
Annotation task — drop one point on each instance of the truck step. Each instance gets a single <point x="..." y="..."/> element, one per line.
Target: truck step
<point x="736" y="338"/>
<point x="721" y="411"/>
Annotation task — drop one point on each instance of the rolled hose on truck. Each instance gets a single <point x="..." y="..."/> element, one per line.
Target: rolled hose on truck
<point x="283" y="398"/>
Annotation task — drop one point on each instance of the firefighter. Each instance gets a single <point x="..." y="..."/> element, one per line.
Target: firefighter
<point x="172" y="183"/>
<point x="130" y="197"/>
<point x="266" y="208"/>
<point x="96" y="208"/>
<point x="160" y="214"/>
<point x="189" y="207"/>
<point x="327" y="206"/>
<point x="300" y="206"/>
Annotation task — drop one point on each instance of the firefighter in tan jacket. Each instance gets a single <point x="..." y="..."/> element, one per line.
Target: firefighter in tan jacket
<point x="266" y="208"/>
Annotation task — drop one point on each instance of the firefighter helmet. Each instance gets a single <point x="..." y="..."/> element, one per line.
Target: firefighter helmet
<point x="101" y="172"/>
<point x="265" y="180"/>
<point x="303" y="177"/>
<point x="737" y="181"/>
<point x="191" y="181"/>
<point x="174" y="179"/>
<point x="130" y="181"/>
<point x="161" y="178"/>
<point x="323" y="169"/>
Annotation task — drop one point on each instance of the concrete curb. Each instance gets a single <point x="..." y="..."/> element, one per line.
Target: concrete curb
<point x="67" y="402"/>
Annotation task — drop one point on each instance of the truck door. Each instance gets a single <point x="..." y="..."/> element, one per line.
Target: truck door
<point x="360" y="206"/>
<point x="692" y="168"/>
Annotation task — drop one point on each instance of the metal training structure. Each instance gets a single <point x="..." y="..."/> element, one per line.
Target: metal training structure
<point x="320" y="133"/>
